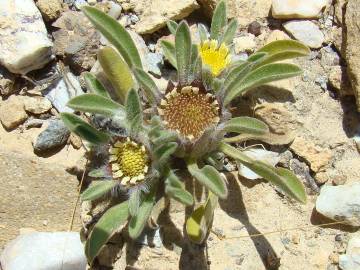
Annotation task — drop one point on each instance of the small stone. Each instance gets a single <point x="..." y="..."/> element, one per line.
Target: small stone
<point x="75" y="141"/>
<point x="6" y="82"/>
<point x="303" y="172"/>
<point x="306" y="32"/>
<point x="45" y="251"/>
<point x="50" y="9"/>
<point x="53" y="137"/>
<point x="339" y="180"/>
<point x="334" y="258"/>
<point x="125" y="20"/>
<point x="318" y="158"/>
<point x="36" y="105"/>
<point x="285" y="158"/>
<point x="115" y="10"/>
<point x="340" y="203"/>
<point x="295" y="238"/>
<point x="351" y="260"/>
<point x="339" y="81"/>
<point x="321" y="178"/>
<point x="25" y="45"/>
<point x="155" y="62"/>
<point x="12" y="112"/>
<point x="254" y="28"/>
<point x="33" y="123"/>
<point x="134" y="19"/>
<point x="294" y="9"/>
<point x="245" y="43"/>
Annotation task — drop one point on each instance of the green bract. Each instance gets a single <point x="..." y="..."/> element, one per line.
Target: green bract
<point x="189" y="123"/>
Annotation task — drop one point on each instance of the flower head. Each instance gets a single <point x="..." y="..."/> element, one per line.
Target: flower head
<point x="129" y="161"/>
<point x="216" y="57"/>
<point x="189" y="111"/>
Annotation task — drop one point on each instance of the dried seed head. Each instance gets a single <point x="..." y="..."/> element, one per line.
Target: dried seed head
<point x="129" y="161"/>
<point x="189" y="112"/>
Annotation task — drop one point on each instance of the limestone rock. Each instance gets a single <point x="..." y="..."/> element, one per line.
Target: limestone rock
<point x="36" y="105"/>
<point x="50" y="9"/>
<point x="44" y="251"/>
<point x="154" y="14"/>
<point x="6" y="82"/>
<point x="244" y="11"/>
<point x="294" y="9"/>
<point x="12" y="112"/>
<point x="351" y="260"/>
<point x="340" y="203"/>
<point x="244" y="43"/>
<point x="339" y="80"/>
<point x="24" y="42"/>
<point x="77" y="41"/>
<point x="306" y="32"/>
<point x="352" y="20"/>
<point x="317" y="157"/>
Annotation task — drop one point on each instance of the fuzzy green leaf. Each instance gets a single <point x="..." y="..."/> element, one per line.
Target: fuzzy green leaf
<point x="246" y="125"/>
<point x="199" y="223"/>
<point x="148" y="85"/>
<point x="97" y="190"/>
<point x="133" y="110"/>
<point x="94" y="103"/>
<point x="117" y="71"/>
<point x="169" y="52"/>
<point x="229" y="32"/>
<point x="95" y="86"/>
<point x="256" y="57"/>
<point x="108" y="224"/>
<point x="209" y="177"/>
<point x="235" y="76"/>
<point x="282" y="178"/>
<point x="163" y="152"/>
<point x="84" y="130"/>
<point x="183" y="49"/>
<point x="172" y="26"/>
<point x="219" y="20"/>
<point x="174" y="188"/>
<point x="264" y="74"/>
<point x="138" y="222"/>
<point x="134" y="201"/>
<point x="203" y="33"/>
<point x="116" y="34"/>
<point x="98" y="173"/>
<point x="164" y="136"/>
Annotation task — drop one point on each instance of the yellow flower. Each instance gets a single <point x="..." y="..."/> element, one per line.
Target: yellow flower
<point x="129" y="161"/>
<point x="217" y="58"/>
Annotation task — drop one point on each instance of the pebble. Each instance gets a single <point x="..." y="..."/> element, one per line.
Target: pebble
<point x="155" y="62"/>
<point x="244" y="43"/>
<point x="45" y="251"/>
<point x="12" y="112"/>
<point x="115" y="10"/>
<point x="33" y="123"/>
<point x="340" y="203"/>
<point x="254" y="28"/>
<point x="351" y="260"/>
<point x="306" y="32"/>
<point x="36" y="105"/>
<point x="53" y="137"/>
<point x="295" y="9"/>
<point x="6" y="82"/>
<point x="25" y="45"/>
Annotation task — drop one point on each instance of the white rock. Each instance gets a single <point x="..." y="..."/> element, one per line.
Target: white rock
<point x="44" y="251"/>
<point x="340" y="203"/>
<point x="24" y="45"/>
<point x="269" y="157"/>
<point x="64" y="90"/>
<point x="306" y="32"/>
<point x="351" y="260"/>
<point x="245" y="43"/>
<point x="295" y="9"/>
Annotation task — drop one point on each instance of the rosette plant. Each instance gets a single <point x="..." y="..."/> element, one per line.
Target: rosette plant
<point x="187" y="125"/>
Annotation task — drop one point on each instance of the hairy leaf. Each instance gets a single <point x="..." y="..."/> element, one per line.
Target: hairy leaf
<point x="203" y="33"/>
<point x="95" y="86"/>
<point x="256" y="57"/>
<point x="116" y="34"/>
<point x="175" y="189"/>
<point x="94" y="103"/>
<point x="169" y="52"/>
<point x="229" y="32"/>
<point x="138" y="222"/>
<point x="97" y="190"/>
<point x="108" y="224"/>
<point x="264" y="74"/>
<point x="164" y="136"/>
<point x="133" y="110"/>
<point x="219" y="20"/>
<point x="148" y="85"/>
<point x="183" y="48"/>
<point x="246" y="125"/>
<point x="235" y="76"/>
<point x="84" y="130"/>
<point x="209" y="177"/>
<point x="134" y="202"/>
<point x="163" y="152"/>
<point x="117" y="71"/>
<point x="172" y="26"/>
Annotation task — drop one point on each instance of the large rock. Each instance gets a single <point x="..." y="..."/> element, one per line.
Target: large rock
<point x="352" y="20"/>
<point x="24" y="42"/>
<point x="36" y="105"/>
<point x="244" y="11"/>
<point x="50" y="9"/>
<point x="340" y="203"/>
<point x="306" y="32"/>
<point x="351" y="260"/>
<point x="44" y="251"/>
<point x="12" y="112"/>
<point x="295" y="9"/>
<point x="154" y="14"/>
